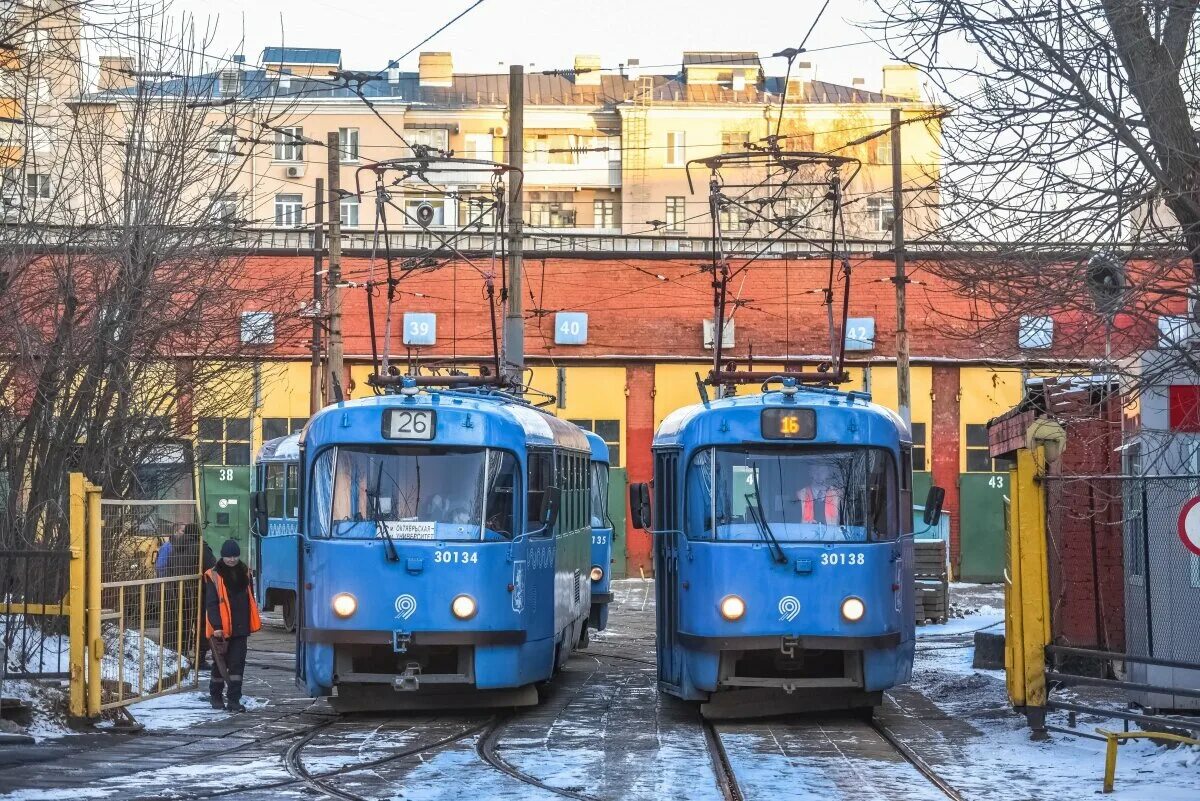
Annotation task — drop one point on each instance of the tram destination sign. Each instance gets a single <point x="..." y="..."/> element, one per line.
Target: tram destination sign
<point x="789" y="423"/>
<point x="409" y="423"/>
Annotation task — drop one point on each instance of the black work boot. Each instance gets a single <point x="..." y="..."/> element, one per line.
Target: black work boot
<point x="216" y="702"/>
<point x="235" y="698"/>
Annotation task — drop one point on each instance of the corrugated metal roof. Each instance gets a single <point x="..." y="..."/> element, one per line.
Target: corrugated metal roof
<point x="540" y="90"/>
<point x="301" y="55"/>
<point x="695" y="58"/>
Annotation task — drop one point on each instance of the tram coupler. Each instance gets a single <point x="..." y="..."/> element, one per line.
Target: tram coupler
<point x="400" y="641"/>
<point x="787" y="646"/>
<point x="409" y="680"/>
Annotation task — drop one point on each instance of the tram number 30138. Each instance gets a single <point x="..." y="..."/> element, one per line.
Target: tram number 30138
<point x="841" y="558"/>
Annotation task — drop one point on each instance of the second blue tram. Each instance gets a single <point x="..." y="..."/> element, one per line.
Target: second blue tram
<point x="445" y="557"/>
<point x="602" y="534"/>
<point x="276" y="502"/>
<point x="783" y="551"/>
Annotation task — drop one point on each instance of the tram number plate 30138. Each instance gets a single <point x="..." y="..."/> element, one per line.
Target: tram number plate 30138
<point x="409" y="424"/>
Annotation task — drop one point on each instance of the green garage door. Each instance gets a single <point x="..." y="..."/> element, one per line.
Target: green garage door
<point x="618" y="492"/>
<point x="981" y="526"/>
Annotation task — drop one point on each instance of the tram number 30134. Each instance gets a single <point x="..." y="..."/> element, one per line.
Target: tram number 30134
<point x="839" y="558"/>
<point x="456" y="557"/>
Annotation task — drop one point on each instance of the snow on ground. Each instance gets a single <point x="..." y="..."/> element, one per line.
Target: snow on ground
<point x="1005" y="763"/>
<point x="183" y="709"/>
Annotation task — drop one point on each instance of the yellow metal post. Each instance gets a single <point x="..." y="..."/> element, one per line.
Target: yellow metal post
<point x="77" y="630"/>
<point x="1114" y="738"/>
<point x="1027" y="594"/>
<point x="95" y="643"/>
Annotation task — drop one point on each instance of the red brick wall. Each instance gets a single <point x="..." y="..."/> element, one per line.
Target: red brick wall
<point x="639" y="434"/>
<point x="945" y="447"/>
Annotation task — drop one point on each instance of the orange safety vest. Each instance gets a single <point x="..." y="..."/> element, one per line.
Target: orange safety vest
<point x="807" y="500"/>
<point x="223" y="601"/>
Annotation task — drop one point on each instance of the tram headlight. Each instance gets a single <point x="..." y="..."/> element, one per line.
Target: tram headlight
<point x="344" y="604"/>
<point x="597" y="573"/>
<point x="463" y="607"/>
<point x="732" y="607"/>
<point x="853" y="609"/>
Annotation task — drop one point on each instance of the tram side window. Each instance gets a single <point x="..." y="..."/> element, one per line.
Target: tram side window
<point x="292" y="498"/>
<point x="502" y="486"/>
<point x="274" y="490"/>
<point x="540" y="478"/>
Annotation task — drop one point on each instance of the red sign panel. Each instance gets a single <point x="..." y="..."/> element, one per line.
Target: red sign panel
<point x="1185" y="408"/>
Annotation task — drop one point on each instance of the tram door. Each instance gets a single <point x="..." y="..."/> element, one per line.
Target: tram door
<point x="667" y="535"/>
<point x="537" y="598"/>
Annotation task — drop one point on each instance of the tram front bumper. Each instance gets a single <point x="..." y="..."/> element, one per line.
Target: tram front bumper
<point x="377" y="637"/>
<point x="698" y="642"/>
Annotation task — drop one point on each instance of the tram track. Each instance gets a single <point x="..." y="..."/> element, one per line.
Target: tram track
<point x="727" y="781"/>
<point x="914" y="759"/>
<point x="487" y="749"/>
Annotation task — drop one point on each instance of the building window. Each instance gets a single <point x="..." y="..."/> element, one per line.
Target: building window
<point x="605" y="212"/>
<point x="350" y="211"/>
<point x="734" y="141"/>
<point x="478" y="146"/>
<point x="880" y="214"/>
<point x="289" y="210"/>
<point x="435" y="138"/>
<point x="733" y="219"/>
<point x="224" y="144"/>
<point x="551" y="210"/>
<point x="675" y="148"/>
<point x="610" y="432"/>
<point x="919" y="443"/>
<point x="225" y="207"/>
<point x="1035" y="332"/>
<point x="879" y="150"/>
<point x="289" y="144"/>
<point x="223" y="440"/>
<point x="348" y="144"/>
<point x="676" y="214"/>
<point x="37" y="185"/>
<point x="978" y="460"/>
<point x="229" y="82"/>
<point x="258" y="328"/>
<point x="478" y="211"/>
<point x="276" y="427"/>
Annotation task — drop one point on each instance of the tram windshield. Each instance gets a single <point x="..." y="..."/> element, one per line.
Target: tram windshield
<point x="424" y="493"/>
<point x="812" y="494"/>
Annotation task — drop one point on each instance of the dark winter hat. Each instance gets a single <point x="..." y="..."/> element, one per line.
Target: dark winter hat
<point x="230" y="548"/>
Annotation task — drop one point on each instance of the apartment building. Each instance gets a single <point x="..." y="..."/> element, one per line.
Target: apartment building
<point x="605" y="150"/>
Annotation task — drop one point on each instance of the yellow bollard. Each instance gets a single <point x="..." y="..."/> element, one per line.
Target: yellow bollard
<point x="1113" y="738"/>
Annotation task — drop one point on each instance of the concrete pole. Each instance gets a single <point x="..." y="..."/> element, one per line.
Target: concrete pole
<point x="315" y="392"/>
<point x="334" y="374"/>
<point x="514" y="316"/>
<point x="903" y="384"/>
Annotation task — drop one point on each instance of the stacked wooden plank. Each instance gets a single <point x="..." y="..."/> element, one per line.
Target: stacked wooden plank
<point x="931" y="598"/>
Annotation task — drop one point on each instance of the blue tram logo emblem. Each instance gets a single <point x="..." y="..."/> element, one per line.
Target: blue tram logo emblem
<point x="518" y="593"/>
<point x="405" y="606"/>
<point x="789" y="607"/>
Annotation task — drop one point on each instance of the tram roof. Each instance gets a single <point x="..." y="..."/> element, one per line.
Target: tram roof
<point x="599" y="447"/>
<point x="538" y="427"/>
<point x="676" y="426"/>
<point x="280" y="449"/>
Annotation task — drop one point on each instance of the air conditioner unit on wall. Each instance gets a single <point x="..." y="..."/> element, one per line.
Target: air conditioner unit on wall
<point x="499" y="130"/>
<point x="296" y="171"/>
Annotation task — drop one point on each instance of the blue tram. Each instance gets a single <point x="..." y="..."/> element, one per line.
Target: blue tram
<point x="602" y="534"/>
<point x="275" y="500"/>
<point x="446" y="558"/>
<point x="783" y="551"/>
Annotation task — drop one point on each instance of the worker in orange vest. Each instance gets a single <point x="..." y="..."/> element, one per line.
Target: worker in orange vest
<point x="231" y="616"/>
<point x="820" y="503"/>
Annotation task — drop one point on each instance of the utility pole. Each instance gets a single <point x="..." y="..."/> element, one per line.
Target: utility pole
<point x="903" y="387"/>
<point x="334" y="390"/>
<point x="514" y="316"/>
<point x="315" y="393"/>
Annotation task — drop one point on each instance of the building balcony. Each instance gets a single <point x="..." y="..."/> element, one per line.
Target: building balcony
<point x="599" y="173"/>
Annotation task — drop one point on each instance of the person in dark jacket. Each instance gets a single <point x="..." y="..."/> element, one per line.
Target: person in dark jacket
<point x="231" y="617"/>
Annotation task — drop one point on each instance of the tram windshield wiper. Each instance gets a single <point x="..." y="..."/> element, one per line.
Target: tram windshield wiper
<point x="760" y="521"/>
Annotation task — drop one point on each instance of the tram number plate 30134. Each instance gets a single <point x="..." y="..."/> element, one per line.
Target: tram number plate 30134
<point x="409" y="424"/>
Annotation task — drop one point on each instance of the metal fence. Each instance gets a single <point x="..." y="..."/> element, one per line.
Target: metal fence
<point x="149" y="617"/>
<point x="34" y="612"/>
<point x="1136" y="576"/>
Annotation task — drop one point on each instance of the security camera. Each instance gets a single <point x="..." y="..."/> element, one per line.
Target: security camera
<point x="424" y="214"/>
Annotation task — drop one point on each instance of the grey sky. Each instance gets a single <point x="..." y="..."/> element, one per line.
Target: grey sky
<point x="548" y="33"/>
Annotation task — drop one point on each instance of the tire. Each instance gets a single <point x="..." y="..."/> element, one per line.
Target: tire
<point x="289" y="612"/>
<point x="584" y="637"/>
